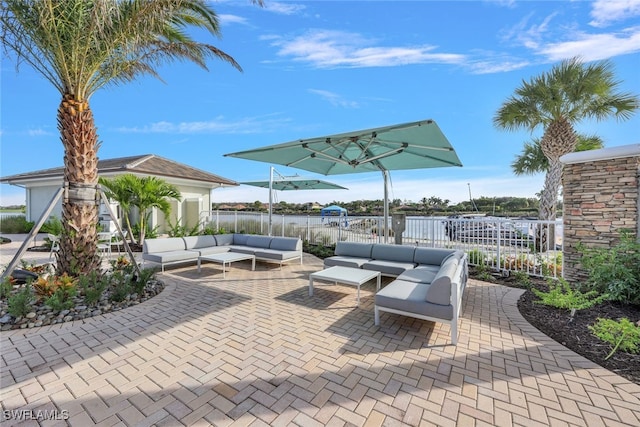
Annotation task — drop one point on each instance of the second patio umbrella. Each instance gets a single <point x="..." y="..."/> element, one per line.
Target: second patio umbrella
<point x="290" y="183"/>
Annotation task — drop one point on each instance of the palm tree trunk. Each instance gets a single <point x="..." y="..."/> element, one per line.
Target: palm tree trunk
<point x="549" y="203"/>
<point x="549" y="195"/>
<point x="78" y="254"/>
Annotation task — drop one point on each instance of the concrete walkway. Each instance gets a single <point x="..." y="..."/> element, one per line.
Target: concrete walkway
<point x="255" y="349"/>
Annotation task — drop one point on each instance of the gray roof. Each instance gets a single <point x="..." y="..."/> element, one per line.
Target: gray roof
<point x="147" y="164"/>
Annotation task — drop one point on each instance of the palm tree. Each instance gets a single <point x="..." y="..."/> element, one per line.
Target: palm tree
<point x="532" y="160"/>
<point x="120" y="190"/>
<point x="152" y="192"/>
<point x="556" y="101"/>
<point x="80" y="46"/>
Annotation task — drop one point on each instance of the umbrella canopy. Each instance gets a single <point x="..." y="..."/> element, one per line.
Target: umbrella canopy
<point x="290" y="183"/>
<point x="414" y="145"/>
<point x="295" y="183"/>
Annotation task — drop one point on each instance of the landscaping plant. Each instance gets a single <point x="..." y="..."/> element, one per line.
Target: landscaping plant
<point x="562" y="295"/>
<point x="92" y="287"/>
<point x="615" y="270"/>
<point x="20" y="303"/>
<point x="622" y="335"/>
<point x="6" y="286"/>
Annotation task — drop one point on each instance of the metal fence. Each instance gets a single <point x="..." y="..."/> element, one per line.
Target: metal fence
<point x="507" y="245"/>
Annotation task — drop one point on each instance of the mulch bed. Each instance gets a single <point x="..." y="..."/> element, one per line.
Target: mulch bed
<point x="575" y="334"/>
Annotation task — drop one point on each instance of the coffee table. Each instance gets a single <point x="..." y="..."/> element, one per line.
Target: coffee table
<point x="226" y="258"/>
<point x="346" y="275"/>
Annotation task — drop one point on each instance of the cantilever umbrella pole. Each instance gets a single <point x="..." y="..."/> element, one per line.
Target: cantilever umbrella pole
<point x="385" y="175"/>
<point x="270" y="200"/>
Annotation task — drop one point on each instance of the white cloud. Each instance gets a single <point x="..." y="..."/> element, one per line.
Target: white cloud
<point x="593" y="47"/>
<point x="605" y="12"/>
<point x="232" y="19"/>
<point x="490" y="66"/>
<point x="218" y="125"/>
<point x="334" y="99"/>
<point x="528" y="35"/>
<point x="284" y="8"/>
<point x="334" y="49"/>
<point x="38" y="132"/>
<point x="558" y="42"/>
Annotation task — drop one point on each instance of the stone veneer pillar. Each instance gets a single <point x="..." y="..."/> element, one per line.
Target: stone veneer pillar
<point x="601" y="194"/>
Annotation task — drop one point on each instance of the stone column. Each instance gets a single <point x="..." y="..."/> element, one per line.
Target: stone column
<point x="601" y="197"/>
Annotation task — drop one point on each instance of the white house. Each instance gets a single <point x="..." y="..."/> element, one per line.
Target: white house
<point x="195" y="186"/>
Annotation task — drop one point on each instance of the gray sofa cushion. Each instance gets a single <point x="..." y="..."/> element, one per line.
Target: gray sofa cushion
<point x="345" y="261"/>
<point x="276" y="254"/>
<point x="152" y="246"/>
<point x="224" y="239"/>
<point x="243" y="249"/>
<point x="398" y="253"/>
<point x="440" y="288"/>
<point x="240" y="239"/>
<point x="196" y="242"/>
<point x="358" y="250"/>
<point x="212" y="250"/>
<point x="170" y="256"/>
<point x="286" y="244"/>
<point x="430" y="256"/>
<point x="392" y="268"/>
<point x="410" y="296"/>
<point x="258" y="241"/>
<point x="420" y="274"/>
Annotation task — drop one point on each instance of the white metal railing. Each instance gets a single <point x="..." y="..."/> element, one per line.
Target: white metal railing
<point x="501" y="244"/>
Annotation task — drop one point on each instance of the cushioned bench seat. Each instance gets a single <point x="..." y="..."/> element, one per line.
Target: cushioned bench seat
<point x="172" y="250"/>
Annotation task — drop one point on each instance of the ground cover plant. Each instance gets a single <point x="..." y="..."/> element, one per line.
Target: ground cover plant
<point x="50" y="298"/>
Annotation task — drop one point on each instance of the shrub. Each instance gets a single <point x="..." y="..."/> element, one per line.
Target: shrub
<point x="15" y="224"/>
<point x="482" y="272"/>
<point x="176" y="230"/>
<point x="120" y="286"/>
<point x="476" y="256"/>
<point x="562" y="295"/>
<point x="6" y="286"/>
<point x="623" y="335"/>
<point x="53" y="226"/>
<point x="62" y="298"/>
<point x="522" y="278"/>
<point x="46" y="287"/>
<point x="140" y="281"/>
<point x="20" y="303"/>
<point x="615" y="270"/>
<point x="92" y="287"/>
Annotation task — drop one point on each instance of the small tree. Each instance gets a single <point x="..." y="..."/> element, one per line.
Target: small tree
<point x="143" y="193"/>
<point x="120" y="190"/>
<point x="152" y="192"/>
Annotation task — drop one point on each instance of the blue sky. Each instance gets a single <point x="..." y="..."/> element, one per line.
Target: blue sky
<point x="313" y="68"/>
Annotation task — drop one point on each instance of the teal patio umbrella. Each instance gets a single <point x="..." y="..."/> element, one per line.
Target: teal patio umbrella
<point x="414" y="145"/>
<point x="290" y="183"/>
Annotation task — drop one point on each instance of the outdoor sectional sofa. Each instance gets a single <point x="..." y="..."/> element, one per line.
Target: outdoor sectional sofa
<point x="428" y="284"/>
<point x="174" y="250"/>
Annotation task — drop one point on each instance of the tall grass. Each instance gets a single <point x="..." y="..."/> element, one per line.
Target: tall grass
<point x="15" y="224"/>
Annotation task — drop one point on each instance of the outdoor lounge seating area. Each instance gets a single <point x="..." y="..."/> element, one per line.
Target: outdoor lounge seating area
<point x="255" y="348"/>
<point x="429" y="282"/>
<point x="173" y="250"/>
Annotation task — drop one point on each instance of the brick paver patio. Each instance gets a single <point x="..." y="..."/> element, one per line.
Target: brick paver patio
<point x="255" y="349"/>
